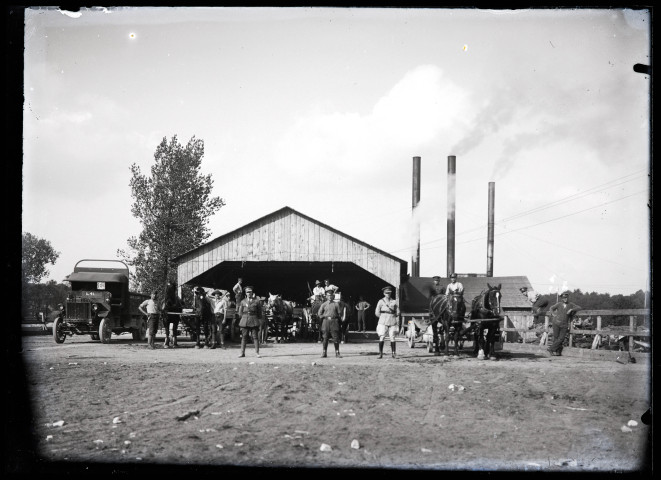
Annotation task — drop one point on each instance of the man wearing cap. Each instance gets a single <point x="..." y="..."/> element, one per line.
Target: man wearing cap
<point x="436" y="288"/>
<point x="454" y="287"/>
<point x="386" y="311"/>
<point x="535" y="298"/>
<point x="330" y="313"/>
<point x="250" y="311"/>
<point x="150" y="308"/>
<point x="562" y="312"/>
<point x="205" y="317"/>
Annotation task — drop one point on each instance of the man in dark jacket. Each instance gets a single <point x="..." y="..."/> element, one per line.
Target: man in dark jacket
<point x="562" y="312"/>
<point x="250" y="312"/>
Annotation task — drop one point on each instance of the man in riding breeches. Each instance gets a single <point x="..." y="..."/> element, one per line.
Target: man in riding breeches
<point x="562" y="312"/>
<point x="250" y="312"/>
<point x="330" y="313"/>
<point x="386" y="311"/>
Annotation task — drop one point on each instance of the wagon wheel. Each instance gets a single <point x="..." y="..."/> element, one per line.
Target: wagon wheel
<point x="105" y="331"/>
<point x="58" y="335"/>
<point x="140" y="333"/>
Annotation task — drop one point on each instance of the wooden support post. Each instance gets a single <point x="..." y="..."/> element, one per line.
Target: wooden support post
<point x="598" y="322"/>
<point x="632" y="328"/>
<point x="596" y="342"/>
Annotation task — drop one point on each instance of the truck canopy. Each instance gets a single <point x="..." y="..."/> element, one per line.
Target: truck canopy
<point x="97" y="277"/>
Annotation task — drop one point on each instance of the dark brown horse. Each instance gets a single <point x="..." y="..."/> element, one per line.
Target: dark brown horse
<point x="456" y="318"/>
<point x="486" y="306"/>
<point x="438" y="317"/>
<point x="281" y="317"/>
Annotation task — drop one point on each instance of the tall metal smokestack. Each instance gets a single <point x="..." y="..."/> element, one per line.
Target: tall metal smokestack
<point x="452" y="170"/>
<point x="415" y="260"/>
<point x="492" y="199"/>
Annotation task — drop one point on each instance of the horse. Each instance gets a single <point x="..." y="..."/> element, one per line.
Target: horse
<point x="312" y="317"/>
<point x="455" y="326"/>
<point x="170" y="307"/>
<point x="486" y="305"/>
<point x="281" y="312"/>
<point x="438" y="314"/>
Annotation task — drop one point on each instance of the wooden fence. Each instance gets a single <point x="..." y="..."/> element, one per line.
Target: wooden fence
<point x="522" y="322"/>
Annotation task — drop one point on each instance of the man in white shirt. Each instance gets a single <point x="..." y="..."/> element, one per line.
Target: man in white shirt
<point x="454" y="287"/>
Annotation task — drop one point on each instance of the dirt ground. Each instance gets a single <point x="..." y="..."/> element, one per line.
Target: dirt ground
<point x="121" y="406"/>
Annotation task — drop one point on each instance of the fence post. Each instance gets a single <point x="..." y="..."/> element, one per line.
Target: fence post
<point x="632" y="328"/>
<point x="598" y="323"/>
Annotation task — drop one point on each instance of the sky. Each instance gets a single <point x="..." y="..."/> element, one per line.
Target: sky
<point x="323" y="110"/>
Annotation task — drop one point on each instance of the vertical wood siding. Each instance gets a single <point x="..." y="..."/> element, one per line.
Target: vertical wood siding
<point x="287" y="237"/>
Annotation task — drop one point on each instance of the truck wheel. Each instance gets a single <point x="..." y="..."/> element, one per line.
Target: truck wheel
<point x="58" y="335"/>
<point x="140" y="333"/>
<point x="105" y="331"/>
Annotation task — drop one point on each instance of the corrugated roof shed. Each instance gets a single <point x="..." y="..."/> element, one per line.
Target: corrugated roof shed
<point x="415" y="293"/>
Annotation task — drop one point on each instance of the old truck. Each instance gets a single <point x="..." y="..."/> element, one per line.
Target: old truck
<point x="100" y="303"/>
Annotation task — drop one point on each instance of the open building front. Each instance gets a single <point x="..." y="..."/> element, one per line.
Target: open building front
<point x="284" y="253"/>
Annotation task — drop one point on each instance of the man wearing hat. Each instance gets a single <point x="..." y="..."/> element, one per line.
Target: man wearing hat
<point x="318" y="291"/>
<point x="454" y="287"/>
<point x="387" y="311"/>
<point x="220" y="303"/>
<point x="536" y="300"/>
<point x="250" y="312"/>
<point x="436" y="288"/>
<point x="205" y="318"/>
<point x="562" y="312"/>
<point x="330" y="313"/>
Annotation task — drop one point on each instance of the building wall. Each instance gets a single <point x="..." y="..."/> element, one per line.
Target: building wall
<point x="286" y="236"/>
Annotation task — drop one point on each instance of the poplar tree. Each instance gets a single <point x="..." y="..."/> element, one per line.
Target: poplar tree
<point x="173" y="204"/>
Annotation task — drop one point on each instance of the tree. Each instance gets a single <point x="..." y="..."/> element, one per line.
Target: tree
<point x="174" y="205"/>
<point x="36" y="254"/>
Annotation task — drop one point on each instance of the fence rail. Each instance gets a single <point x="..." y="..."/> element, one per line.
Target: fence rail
<point x="598" y="333"/>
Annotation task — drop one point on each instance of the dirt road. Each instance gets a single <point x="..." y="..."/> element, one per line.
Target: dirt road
<point x="125" y="405"/>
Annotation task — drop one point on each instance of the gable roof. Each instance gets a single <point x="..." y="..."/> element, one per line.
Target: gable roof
<point x="415" y="292"/>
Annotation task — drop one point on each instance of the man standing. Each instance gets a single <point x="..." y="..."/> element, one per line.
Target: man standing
<point x="454" y="287"/>
<point x="221" y="298"/>
<point x="238" y="297"/>
<point x="535" y="300"/>
<point x="250" y="311"/>
<point x="387" y="311"/>
<point x="205" y="317"/>
<point x="562" y="315"/>
<point x="362" y="307"/>
<point x="330" y="313"/>
<point x="149" y="308"/>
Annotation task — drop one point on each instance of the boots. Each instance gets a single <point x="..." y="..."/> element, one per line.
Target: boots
<point x="150" y="341"/>
<point x="380" y="350"/>
<point x="174" y="341"/>
<point x="337" y="351"/>
<point x="324" y="355"/>
<point x="392" y="347"/>
<point x="165" y="344"/>
<point x="243" y="347"/>
<point x="256" y="342"/>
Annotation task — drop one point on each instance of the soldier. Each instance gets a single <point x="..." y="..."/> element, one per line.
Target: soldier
<point x="250" y="311"/>
<point x="436" y="288"/>
<point x="387" y="311"/>
<point x="563" y="312"/>
<point x="331" y="314"/>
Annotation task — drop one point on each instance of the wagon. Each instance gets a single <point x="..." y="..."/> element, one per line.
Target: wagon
<point x="100" y="304"/>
